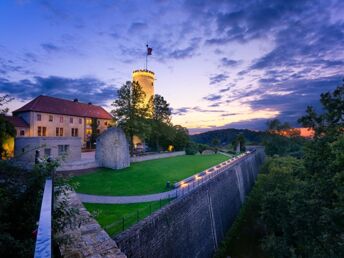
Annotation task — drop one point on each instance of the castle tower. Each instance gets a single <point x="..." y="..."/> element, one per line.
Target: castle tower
<point x="146" y="80"/>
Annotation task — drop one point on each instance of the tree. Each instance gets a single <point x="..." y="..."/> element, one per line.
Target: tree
<point x="276" y="125"/>
<point x="161" y="120"/>
<point x="131" y="113"/>
<point x="331" y="121"/>
<point x="215" y="141"/>
<point x="7" y="130"/>
<point x="181" y="137"/>
<point x="310" y="223"/>
<point x="239" y="139"/>
<point x="94" y="133"/>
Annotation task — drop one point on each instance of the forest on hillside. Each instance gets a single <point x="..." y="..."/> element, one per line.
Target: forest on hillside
<point x="296" y="208"/>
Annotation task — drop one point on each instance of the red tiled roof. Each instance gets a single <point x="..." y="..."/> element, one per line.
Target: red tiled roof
<point x="16" y="121"/>
<point x="46" y="104"/>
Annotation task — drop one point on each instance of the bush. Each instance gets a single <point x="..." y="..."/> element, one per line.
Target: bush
<point x="20" y="194"/>
<point x="191" y="148"/>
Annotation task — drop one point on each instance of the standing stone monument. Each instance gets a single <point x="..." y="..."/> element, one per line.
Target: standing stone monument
<point x="238" y="148"/>
<point x="112" y="149"/>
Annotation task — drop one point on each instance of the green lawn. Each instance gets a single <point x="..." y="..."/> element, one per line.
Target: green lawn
<point x="116" y="217"/>
<point x="145" y="177"/>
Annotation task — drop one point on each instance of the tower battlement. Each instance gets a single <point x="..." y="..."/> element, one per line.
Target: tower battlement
<point x="143" y="72"/>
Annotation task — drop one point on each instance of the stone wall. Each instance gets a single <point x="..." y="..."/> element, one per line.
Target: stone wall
<point x="25" y="148"/>
<point x="157" y="156"/>
<point x="85" y="238"/>
<point x="194" y="225"/>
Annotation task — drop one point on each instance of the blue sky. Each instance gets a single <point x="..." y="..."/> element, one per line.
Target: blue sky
<point x="218" y="63"/>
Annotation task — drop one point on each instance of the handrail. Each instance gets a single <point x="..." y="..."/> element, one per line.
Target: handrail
<point x="44" y="234"/>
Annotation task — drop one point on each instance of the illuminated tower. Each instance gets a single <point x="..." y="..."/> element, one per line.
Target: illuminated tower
<point x="146" y="80"/>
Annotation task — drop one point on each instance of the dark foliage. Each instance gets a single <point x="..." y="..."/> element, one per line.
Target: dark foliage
<point x="227" y="136"/>
<point x="20" y="195"/>
<point x="298" y="205"/>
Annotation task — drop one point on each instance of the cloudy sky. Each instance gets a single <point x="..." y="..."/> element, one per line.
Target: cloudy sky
<point x="218" y="63"/>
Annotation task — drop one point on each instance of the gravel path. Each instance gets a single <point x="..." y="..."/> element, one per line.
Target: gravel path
<point x="88" y="198"/>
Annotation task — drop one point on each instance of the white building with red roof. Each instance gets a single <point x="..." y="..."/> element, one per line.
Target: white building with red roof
<point x="47" y="116"/>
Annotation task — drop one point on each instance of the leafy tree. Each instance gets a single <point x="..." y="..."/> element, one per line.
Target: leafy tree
<point x="239" y="139"/>
<point x="331" y="121"/>
<point x="299" y="203"/>
<point x="276" y="125"/>
<point x="202" y="147"/>
<point x="20" y="194"/>
<point x="130" y="113"/>
<point x="7" y="130"/>
<point x="215" y="141"/>
<point x="310" y="223"/>
<point x="161" y="120"/>
<point x="181" y="137"/>
<point x="94" y="135"/>
<point x="191" y="148"/>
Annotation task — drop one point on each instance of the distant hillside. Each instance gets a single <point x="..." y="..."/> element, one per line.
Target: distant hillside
<point x="226" y="136"/>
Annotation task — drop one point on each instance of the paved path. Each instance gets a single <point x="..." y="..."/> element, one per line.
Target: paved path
<point x="126" y="199"/>
<point x="226" y="154"/>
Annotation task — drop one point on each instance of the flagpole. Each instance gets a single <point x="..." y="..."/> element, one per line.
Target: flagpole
<point x="146" y="55"/>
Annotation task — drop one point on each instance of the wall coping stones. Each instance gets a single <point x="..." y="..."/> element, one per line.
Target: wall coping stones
<point x="85" y="238"/>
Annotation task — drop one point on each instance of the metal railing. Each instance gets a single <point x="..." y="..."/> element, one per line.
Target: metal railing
<point x="44" y="241"/>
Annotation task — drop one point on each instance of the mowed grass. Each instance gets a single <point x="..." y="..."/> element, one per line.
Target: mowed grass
<point x="145" y="177"/>
<point x="113" y="218"/>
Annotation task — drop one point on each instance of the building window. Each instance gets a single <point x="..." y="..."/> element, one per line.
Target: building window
<point x="80" y="120"/>
<point x="47" y="152"/>
<point x="41" y="131"/>
<point x="39" y="117"/>
<point x="22" y="133"/>
<point x="62" y="149"/>
<point x="59" y="131"/>
<point x="98" y="131"/>
<point x="88" y="132"/>
<point x="51" y="118"/>
<point x="75" y="132"/>
<point x="98" y="122"/>
<point x="105" y="123"/>
<point x="61" y="119"/>
<point x="71" y="120"/>
<point x="88" y="121"/>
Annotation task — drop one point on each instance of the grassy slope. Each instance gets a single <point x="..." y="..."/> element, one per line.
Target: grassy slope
<point x="110" y="216"/>
<point x="145" y="177"/>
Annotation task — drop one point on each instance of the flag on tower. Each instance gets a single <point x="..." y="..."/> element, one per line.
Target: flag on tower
<point x="149" y="51"/>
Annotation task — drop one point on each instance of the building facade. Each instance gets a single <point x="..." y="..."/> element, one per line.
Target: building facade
<point x="54" y="117"/>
